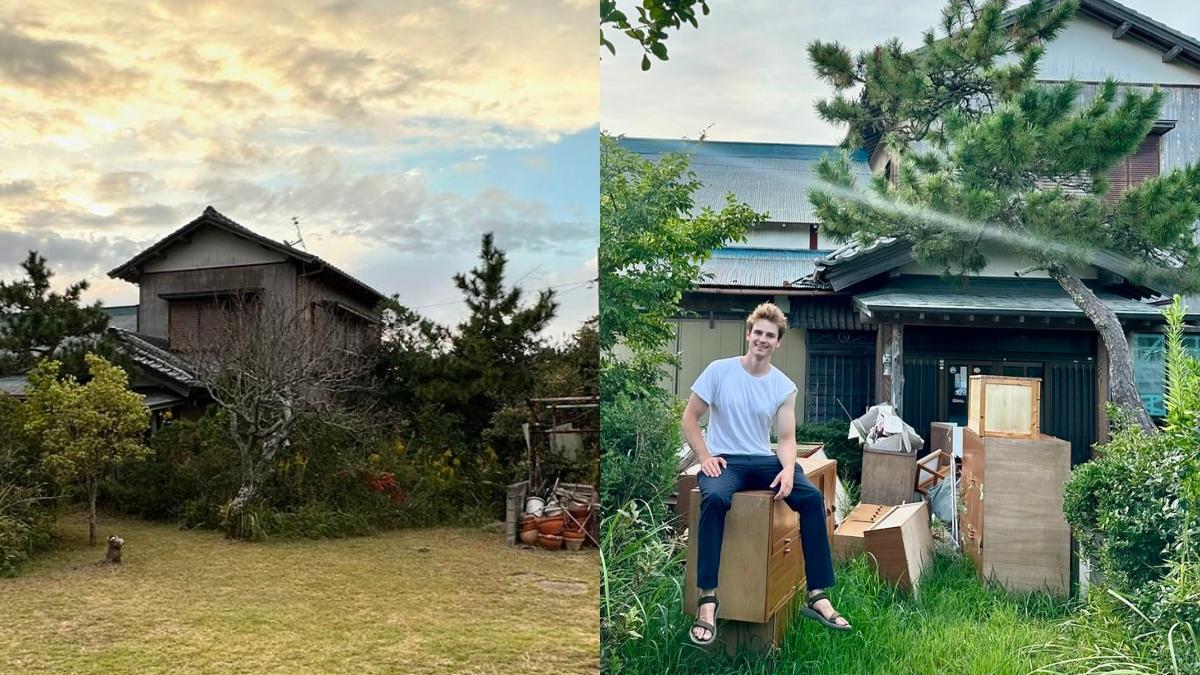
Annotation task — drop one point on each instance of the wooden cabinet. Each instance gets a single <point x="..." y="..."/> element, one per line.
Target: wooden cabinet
<point x="1014" y="529"/>
<point x="823" y="474"/>
<point x="1004" y="406"/>
<point x="762" y="561"/>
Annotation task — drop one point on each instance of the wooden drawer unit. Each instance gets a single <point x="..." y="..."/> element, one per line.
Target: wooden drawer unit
<point x="762" y="560"/>
<point x="1014" y="530"/>
<point x="1008" y="407"/>
<point x="823" y="474"/>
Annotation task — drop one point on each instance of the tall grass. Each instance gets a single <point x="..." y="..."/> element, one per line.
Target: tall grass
<point x="954" y="625"/>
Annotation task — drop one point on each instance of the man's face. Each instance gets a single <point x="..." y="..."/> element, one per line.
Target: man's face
<point x="763" y="338"/>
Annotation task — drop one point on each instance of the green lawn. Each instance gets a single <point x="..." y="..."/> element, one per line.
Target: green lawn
<point x="955" y="627"/>
<point x="414" y="601"/>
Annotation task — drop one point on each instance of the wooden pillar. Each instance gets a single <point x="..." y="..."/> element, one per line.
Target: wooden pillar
<point x="889" y="365"/>
<point x="1101" y="392"/>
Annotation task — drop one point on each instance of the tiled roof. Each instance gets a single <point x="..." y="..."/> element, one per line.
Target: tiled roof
<point x="773" y="268"/>
<point x="130" y="270"/>
<point x="770" y="177"/>
<point x="991" y="296"/>
<point x="149" y="355"/>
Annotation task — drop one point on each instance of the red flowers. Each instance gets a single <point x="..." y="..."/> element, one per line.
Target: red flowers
<point x="385" y="484"/>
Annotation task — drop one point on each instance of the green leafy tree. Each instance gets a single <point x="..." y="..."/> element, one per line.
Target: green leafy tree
<point x="37" y="323"/>
<point x="652" y="245"/>
<point x="990" y="157"/>
<point x="85" y="430"/>
<point x="649" y="30"/>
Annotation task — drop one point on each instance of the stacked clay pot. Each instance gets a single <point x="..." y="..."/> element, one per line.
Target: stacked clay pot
<point x="529" y="529"/>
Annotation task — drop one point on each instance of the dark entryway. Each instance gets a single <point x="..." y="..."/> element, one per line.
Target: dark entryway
<point x="938" y="361"/>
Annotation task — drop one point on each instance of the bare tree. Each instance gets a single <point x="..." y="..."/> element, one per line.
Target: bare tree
<point x="267" y="363"/>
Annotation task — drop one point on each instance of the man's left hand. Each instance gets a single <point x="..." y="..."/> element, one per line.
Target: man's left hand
<point x="784" y="480"/>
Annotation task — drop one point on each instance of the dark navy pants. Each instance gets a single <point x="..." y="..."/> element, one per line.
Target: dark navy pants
<point x="755" y="472"/>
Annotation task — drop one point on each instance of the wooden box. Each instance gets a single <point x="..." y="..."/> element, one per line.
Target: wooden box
<point x="1008" y="407"/>
<point x="888" y="478"/>
<point x="1014" y="529"/>
<point x="901" y="545"/>
<point x="761" y="557"/>
<point x="848" y="537"/>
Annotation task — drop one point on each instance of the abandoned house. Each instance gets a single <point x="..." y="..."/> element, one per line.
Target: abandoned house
<point x="189" y="281"/>
<point x="869" y="324"/>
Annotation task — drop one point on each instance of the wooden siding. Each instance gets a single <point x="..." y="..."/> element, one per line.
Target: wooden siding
<point x="276" y="280"/>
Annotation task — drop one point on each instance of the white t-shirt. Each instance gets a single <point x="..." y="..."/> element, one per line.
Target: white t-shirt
<point x="742" y="407"/>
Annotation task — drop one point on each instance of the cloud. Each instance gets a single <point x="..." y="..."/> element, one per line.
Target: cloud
<point x="78" y="256"/>
<point x="60" y="68"/>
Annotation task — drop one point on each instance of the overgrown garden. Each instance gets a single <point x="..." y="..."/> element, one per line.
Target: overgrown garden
<point x="300" y="439"/>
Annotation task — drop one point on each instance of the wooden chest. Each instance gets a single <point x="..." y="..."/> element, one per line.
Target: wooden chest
<point x="1014" y="529"/>
<point x="901" y="545"/>
<point x="1009" y="407"/>
<point x="761" y="557"/>
<point x="848" y="539"/>
<point x="686" y="480"/>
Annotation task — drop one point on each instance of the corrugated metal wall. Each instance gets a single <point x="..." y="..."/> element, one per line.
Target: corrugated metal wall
<point x="1069" y="405"/>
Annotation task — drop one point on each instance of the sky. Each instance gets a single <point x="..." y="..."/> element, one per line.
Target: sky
<point x="396" y="133"/>
<point x="744" y="74"/>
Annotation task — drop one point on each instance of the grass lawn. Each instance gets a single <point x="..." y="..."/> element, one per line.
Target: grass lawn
<point x="413" y="601"/>
<point x="955" y="626"/>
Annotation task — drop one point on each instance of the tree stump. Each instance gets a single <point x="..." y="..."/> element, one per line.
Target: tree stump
<point x="113" y="554"/>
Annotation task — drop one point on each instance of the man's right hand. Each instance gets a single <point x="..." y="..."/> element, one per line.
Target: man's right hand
<point x="712" y="466"/>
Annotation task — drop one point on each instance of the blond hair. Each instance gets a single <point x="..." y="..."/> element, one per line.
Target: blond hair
<point x="770" y="312"/>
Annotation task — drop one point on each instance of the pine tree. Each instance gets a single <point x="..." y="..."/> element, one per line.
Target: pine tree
<point x="495" y="347"/>
<point x="36" y="323"/>
<point x="989" y="157"/>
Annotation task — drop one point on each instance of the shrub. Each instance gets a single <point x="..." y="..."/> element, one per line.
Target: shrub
<point x="641" y="586"/>
<point x="833" y="436"/>
<point x="26" y="500"/>
<point x="639" y="441"/>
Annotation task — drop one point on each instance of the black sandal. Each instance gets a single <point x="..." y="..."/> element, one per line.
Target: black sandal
<point x="710" y="627"/>
<point x="812" y="613"/>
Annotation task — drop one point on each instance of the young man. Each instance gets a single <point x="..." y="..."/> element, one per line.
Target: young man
<point x="745" y="395"/>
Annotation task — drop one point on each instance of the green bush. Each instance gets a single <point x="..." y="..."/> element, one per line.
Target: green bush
<point x="639" y="442"/>
<point x="1125" y="506"/>
<point x="833" y="436"/>
<point x="26" y="498"/>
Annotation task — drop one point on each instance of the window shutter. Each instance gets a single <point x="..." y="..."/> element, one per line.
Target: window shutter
<point x="183" y="320"/>
<point x="1133" y="170"/>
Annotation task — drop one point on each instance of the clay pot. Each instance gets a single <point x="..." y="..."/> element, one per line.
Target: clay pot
<point x="534" y="505"/>
<point x="529" y="537"/>
<point x="529" y="522"/>
<point x="579" y="512"/>
<point x="551" y="542"/>
<point x="573" y="544"/>
<point x="551" y="525"/>
<point x="552" y="510"/>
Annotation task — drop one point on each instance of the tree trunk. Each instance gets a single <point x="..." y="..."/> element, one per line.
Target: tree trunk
<point x="92" y="488"/>
<point x="1120" y="359"/>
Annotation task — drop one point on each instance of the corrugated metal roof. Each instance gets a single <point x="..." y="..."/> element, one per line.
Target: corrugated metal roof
<point x="123" y="317"/>
<point x="990" y="296"/>
<point x="774" y="268"/>
<point x="14" y="385"/>
<point x="770" y="177"/>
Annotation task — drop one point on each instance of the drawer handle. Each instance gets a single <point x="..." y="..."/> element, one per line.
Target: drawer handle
<point x="787" y="540"/>
<point x="787" y="551"/>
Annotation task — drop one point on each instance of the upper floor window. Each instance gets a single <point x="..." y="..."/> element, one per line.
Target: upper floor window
<point x="1138" y="167"/>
